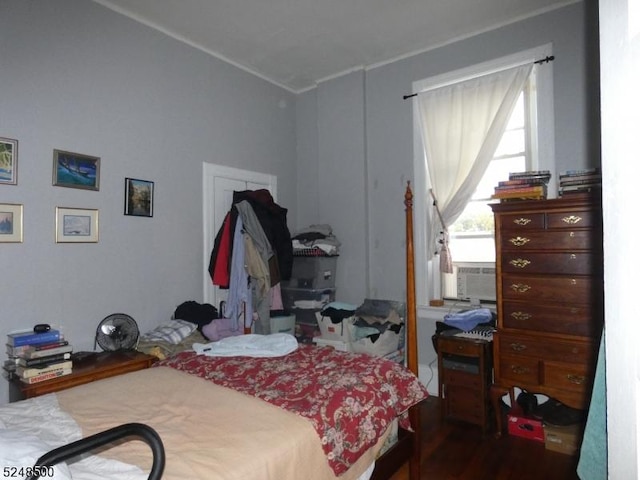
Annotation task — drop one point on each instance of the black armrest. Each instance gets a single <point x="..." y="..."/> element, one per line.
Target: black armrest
<point x="148" y="434"/>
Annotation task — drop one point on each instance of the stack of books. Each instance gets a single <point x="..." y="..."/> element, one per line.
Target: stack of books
<point x="588" y="180"/>
<point x="523" y="186"/>
<point x="36" y="357"/>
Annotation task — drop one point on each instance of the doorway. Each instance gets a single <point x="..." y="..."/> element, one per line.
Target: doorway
<point x="219" y="183"/>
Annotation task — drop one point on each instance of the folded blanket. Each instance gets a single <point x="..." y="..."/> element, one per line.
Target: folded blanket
<point x="251" y="345"/>
<point x="469" y="319"/>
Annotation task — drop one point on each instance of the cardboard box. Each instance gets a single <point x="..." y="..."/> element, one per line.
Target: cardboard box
<point x="563" y="439"/>
<point x="524" y="427"/>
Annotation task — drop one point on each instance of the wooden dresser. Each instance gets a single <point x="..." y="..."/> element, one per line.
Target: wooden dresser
<point x="549" y="283"/>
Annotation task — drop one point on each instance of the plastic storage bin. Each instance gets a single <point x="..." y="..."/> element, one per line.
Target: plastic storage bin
<point x="306" y="299"/>
<point x="313" y="272"/>
<point x="283" y="324"/>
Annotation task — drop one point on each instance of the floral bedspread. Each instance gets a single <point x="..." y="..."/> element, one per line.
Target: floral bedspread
<point x="349" y="398"/>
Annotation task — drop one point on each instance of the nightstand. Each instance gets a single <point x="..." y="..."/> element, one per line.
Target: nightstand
<point x="464" y="377"/>
<point x="87" y="367"/>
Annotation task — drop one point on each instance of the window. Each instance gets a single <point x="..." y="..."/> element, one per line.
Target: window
<point x="526" y="144"/>
<point x="471" y="237"/>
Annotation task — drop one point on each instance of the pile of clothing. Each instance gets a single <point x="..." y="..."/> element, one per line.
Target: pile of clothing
<point x="375" y="317"/>
<point x="252" y="254"/>
<point x="315" y="240"/>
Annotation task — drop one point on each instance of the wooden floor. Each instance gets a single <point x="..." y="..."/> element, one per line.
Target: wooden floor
<point x="460" y="451"/>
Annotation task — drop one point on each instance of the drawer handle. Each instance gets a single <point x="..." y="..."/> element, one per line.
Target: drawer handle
<point x="572" y="256"/>
<point x="522" y="221"/>
<point x="519" y="241"/>
<point x="518" y="347"/>
<point x="576" y="379"/>
<point x="519" y="370"/>
<point x="520" y="262"/>
<point x="521" y="316"/>
<point x="520" y="287"/>
<point x="572" y="219"/>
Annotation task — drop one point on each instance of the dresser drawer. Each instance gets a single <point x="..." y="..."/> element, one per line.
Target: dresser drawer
<point x="576" y="352"/>
<point x="458" y="346"/>
<point x="464" y="404"/>
<point x="581" y="321"/>
<point x="522" y="221"/>
<point x="519" y="369"/>
<point x="568" y="376"/>
<point x="573" y="219"/>
<point x="564" y="240"/>
<point x="570" y="290"/>
<point x="462" y="379"/>
<point x="567" y="263"/>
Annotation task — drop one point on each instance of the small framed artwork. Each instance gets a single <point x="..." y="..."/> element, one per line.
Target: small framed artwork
<point x="138" y="197"/>
<point x="75" y="170"/>
<point x="76" y="225"/>
<point x="10" y="223"/>
<point x="8" y="161"/>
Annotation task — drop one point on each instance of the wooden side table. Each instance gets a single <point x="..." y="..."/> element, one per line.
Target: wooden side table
<point x="464" y="377"/>
<point x="87" y="367"/>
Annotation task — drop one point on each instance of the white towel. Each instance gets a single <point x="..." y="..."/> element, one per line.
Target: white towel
<point x="251" y="345"/>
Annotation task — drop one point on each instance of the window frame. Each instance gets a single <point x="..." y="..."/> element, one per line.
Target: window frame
<point x="428" y="282"/>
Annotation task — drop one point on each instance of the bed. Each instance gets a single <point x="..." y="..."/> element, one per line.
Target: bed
<point x="242" y="417"/>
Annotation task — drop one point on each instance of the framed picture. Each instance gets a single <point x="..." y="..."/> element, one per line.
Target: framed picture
<point x="74" y="170"/>
<point x="8" y="161"/>
<point x="76" y="225"/>
<point x="138" y="197"/>
<point x="10" y="223"/>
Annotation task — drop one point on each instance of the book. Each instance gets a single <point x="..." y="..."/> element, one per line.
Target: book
<point x="30" y="338"/>
<point x="30" y="354"/>
<point x="20" y="351"/>
<point x="46" y="376"/>
<point x="43" y="361"/>
<point x="27" y="372"/>
<point x="580" y="172"/>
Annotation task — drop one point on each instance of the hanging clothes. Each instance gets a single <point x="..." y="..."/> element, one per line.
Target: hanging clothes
<point x="273" y="219"/>
<point x="239" y="302"/>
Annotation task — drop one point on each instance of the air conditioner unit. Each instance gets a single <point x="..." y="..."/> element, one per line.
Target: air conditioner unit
<point x="476" y="281"/>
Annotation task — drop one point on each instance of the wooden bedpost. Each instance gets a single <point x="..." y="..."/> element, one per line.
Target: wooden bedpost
<point x="412" y="332"/>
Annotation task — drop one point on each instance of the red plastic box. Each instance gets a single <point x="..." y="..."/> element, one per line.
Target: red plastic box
<point x="524" y="427"/>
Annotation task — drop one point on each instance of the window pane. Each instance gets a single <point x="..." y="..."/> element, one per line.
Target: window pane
<point x="471" y="236"/>
<point x="512" y="142"/>
<point x="517" y="117"/>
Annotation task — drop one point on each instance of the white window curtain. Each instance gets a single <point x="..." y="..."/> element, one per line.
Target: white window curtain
<point x="462" y="125"/>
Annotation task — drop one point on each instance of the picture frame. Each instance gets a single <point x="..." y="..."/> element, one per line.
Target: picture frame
<point x="138" y="197"/>
<point x="76" y="225"/>
<point x="8" y="161"/>
<point x="76" y="170"/>
<point x="11" y="223"/>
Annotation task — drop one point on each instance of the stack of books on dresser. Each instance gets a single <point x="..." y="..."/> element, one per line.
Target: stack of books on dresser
<point x="523" y="186"/>
<point x="36" y="357"/>
<point x="587" y="180"/>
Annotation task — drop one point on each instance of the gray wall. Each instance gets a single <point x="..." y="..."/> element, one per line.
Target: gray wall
<point x="79" y="77"/>
<point x="364" y="141"/>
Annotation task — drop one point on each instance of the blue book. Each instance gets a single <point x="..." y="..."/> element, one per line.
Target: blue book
<point x="31" y="338"/>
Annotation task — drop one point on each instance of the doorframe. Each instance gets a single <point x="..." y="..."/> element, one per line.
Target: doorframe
<point x="210" y="172"/>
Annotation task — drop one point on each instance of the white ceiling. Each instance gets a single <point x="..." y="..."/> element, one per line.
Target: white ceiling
<point x="298" y="43"/>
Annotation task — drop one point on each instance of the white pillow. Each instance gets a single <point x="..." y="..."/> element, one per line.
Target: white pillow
<point x="172" y="332"/>
<point x="21" y="450"/>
